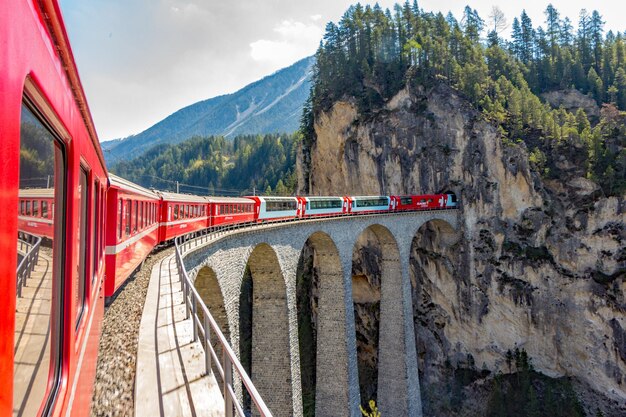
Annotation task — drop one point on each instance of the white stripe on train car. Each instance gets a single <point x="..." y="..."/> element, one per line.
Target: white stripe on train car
<point x="35" y="219"/>
<point x="175" y="222"/>
<point x="115" y="249"/>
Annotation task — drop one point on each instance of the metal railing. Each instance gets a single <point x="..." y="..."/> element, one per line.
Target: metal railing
<point x="29" y="245"/>
<point x="202" y="328"/>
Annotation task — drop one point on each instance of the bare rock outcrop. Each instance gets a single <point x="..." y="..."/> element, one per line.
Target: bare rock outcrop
<point x="572" y="100"/>
<point x="538" y="265"/>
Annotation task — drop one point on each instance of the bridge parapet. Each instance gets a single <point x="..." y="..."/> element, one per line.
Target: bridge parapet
<point x="228" y="252"/>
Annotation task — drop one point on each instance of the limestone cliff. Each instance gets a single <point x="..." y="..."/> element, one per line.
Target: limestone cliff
<point x="537" y="264"/>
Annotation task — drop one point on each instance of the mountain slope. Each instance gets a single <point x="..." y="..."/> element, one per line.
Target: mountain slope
<point x="270" y="105"/>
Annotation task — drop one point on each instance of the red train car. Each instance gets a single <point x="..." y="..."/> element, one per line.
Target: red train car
<point x="230" y="210"/>
<point x="420" y="202"/>
<point x="181" y="214"/>
<point x="35" y="213"/>
<point x="132" y="230"/>
<point x="48" y="333"/>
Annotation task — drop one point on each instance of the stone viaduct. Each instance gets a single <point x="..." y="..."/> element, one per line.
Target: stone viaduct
<point x="272" y="254"/>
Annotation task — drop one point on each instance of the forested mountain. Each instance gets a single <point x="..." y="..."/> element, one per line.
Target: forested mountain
<point x="372" y="53"/>
<point x="529" y="134"/>
<point x="217" y="166"/>
<point x="270" y="105"/>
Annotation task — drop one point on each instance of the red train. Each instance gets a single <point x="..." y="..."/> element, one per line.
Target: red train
<point x="53" y="173"/>
<point x="53" y="183"/>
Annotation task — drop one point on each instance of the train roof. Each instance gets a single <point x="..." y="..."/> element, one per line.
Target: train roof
<point x="319" y="198"/>
<point x="231" y="200"/>
<point x="182" y="198"/>
<point x="36" y="192"/>
<point x="126" y="185"/>
<point x="273" y="198"/>
<point x="368" y="196"/>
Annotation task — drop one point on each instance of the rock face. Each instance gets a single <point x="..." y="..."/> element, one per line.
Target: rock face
<point x="572" y="100"/>
<point x="536" y="265"/>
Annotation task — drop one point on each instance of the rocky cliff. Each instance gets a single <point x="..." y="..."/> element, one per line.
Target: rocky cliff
<point x="538" y="265"/>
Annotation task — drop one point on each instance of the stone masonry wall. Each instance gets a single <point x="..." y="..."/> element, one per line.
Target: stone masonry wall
<point x="229" y="256"/>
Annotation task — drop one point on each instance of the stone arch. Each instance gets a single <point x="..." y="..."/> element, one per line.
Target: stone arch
<point x="321" y="296"/>
<point x="436" y="289"/>
<point x="377" y="288"/>
<point x="210" y="291"/>
<point x="270" y="364"/>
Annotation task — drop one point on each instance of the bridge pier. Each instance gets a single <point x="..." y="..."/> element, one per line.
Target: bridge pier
<point x="271" y="364"/>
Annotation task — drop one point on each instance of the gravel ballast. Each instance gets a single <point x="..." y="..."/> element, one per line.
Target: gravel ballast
<point x="117" y="357"/>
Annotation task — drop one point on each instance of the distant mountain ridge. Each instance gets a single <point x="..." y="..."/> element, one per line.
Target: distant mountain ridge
<point x="270" y="105"/>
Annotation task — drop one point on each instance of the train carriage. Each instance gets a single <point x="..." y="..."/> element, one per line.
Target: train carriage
<point x="181" y="214"/>
<point x="132" y="230"/>
<point x="275" y="208"/>
<point x="368" y="204"/>
<point x="51" y="315"/>
<point x="35" y="212"/>
<point x="230" y="210"/>
<point x="322" y="206"/>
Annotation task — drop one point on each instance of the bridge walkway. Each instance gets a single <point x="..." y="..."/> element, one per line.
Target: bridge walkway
<point x="171" y="378"/>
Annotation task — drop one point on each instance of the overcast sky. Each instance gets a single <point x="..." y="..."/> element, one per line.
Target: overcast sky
<point x="141" y="60"/>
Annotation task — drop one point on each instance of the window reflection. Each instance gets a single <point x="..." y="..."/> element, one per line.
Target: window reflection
<point x="41" y="163"/>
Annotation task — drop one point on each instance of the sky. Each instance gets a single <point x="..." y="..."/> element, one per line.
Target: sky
<point x="142" y="60"/>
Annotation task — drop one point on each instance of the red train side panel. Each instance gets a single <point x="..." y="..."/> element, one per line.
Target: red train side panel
<point x="225" y="211"/>
<point x="132" y="230"/>
<point x="181" y="214"/>
<point x="41" y="90"/>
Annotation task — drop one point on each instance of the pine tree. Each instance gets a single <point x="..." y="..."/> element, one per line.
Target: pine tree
<point x="596" y="86"/>
<point x="553" y="28"/>
<point x="517" y="39"/>
<point x="596" y="28"/>
<point x="566" y="33"/>
<point x="528" y="38"/>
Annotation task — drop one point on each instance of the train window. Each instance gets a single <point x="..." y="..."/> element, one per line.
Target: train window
<point x="36" y="208"/>
<point x="140" y="215"/>
<point x="44" y="209"/>
<point x="28" y="207"/>
<point x="136" y="221"/>
<point x="405" y="201"/>
<point x="79" y="285"/>
<point x="129" y="216"/>
<point x="120" y="219"/>
<point x="176" y="212"/>
<point x="39" y="295"/>
<point x="22" y="207"/>
<point x="95" y="223"/>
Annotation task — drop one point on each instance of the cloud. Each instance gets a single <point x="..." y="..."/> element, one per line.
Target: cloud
<point x="294" y="39"/>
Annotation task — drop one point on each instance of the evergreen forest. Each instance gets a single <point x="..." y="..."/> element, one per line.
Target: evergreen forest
<point x="371" y="53"/>
<point x="213" y="165"/>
